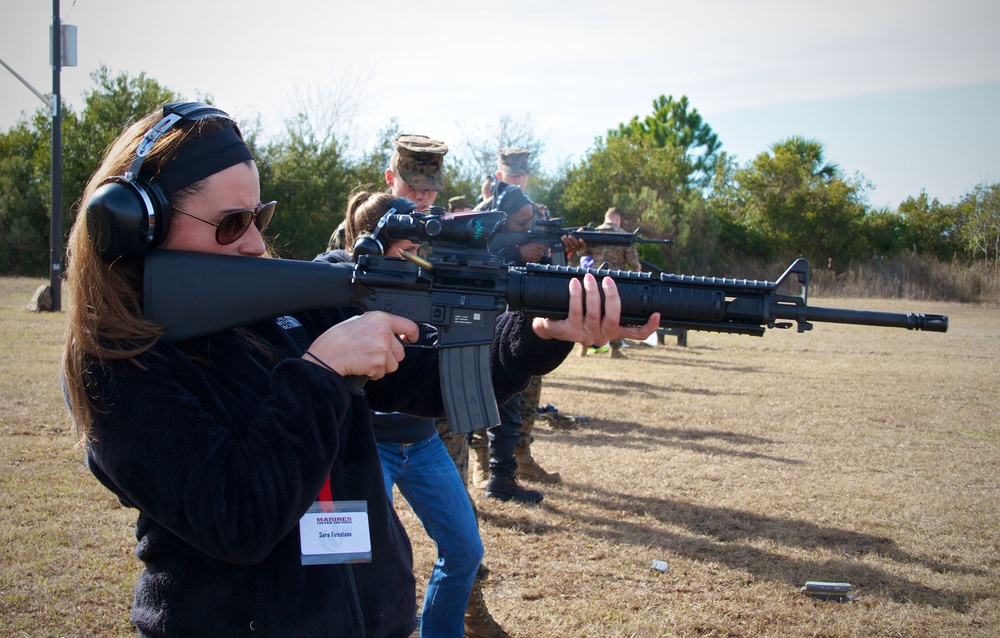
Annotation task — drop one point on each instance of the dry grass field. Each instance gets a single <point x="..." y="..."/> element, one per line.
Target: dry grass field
<point x="749" y="465"/>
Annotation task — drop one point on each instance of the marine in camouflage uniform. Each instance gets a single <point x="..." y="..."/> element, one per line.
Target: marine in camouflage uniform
<point x="615" y="258"/>
<point x="415" y="173"/>
<point x="513" y="168"/>
<point x="418" y="160"/>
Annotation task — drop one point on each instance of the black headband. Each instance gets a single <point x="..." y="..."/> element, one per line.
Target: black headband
<point x="511" y="199"/>
<point x="202" y="157"/>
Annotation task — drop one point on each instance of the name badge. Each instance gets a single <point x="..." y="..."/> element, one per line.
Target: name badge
<point x="334" y="532"/>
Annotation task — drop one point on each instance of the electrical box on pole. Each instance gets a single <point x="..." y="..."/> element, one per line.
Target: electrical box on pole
<point x="67" y="45"/>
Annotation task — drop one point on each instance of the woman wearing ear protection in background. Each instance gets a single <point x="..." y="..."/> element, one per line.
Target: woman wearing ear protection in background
<point x="227" y="444"/>
<point x="413" y="456"/>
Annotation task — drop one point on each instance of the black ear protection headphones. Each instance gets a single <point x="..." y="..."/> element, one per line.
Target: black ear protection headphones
<point x="129" y="214"/>
<point x="500" y="190"/>
<point x="374" y="243"/>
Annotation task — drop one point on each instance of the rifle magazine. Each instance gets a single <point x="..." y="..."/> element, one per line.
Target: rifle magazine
<point x="467" y="388"/>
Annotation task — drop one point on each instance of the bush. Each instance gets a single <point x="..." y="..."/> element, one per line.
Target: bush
<point x="910" y="276"/>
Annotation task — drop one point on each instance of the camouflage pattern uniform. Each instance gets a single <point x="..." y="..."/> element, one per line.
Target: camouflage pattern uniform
<point x="530" y="399"/>
<point x="616" y="257"/>
<point x="514" y="161"/>
<point x="337" y="238"/>
<point x="479" y="458"/>
<point x="418" y="161"/>
<point x="457" y="446"/>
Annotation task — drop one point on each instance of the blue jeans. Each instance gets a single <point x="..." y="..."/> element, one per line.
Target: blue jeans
<point x="429" y="481"/>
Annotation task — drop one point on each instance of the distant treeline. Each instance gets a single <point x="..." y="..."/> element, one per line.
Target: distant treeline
<point x="667" y="171"/>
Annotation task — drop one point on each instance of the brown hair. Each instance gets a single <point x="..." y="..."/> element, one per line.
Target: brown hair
<point x="364" y="210"/>
<point x="105" y="320"/>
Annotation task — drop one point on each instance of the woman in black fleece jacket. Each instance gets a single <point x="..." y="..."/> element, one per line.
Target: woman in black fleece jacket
<point x="223" y="443"/>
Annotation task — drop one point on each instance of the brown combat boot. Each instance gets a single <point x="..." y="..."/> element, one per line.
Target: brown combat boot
<point x="528" y="467"/>
<point x="478" y="621"/>
<point x="479" y="466"/>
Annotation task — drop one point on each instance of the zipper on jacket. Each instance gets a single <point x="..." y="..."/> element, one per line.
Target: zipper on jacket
<point x="357" y="599"/>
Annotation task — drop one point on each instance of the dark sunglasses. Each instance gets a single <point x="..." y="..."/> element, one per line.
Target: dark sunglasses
<point x="234" y="225"/>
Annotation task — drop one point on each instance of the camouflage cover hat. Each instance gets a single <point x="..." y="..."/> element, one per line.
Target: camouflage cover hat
<point x="417" y="159"/>
<point x="457" y="202"/>
<point x="514" y="161"/>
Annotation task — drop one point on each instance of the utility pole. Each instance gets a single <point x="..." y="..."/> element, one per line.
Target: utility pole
<point x="63" y="53"/>
<point x="55" y="224"/>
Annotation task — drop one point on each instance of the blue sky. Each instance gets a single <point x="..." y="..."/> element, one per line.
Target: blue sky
<point x="903" y="92"/>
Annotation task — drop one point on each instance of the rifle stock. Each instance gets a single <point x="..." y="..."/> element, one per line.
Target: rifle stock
<point x="196" y="294"/>
<point x="461" y="291"/>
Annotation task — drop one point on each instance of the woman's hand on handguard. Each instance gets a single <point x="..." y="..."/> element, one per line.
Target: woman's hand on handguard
<point x="591" y="328"/>
<point x="368" y="345"/>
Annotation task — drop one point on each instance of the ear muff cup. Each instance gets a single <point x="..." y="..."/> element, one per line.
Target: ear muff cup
<point x="368" y="244"/>
<point x="374" y="243"/>
<point x="127" y="217"/>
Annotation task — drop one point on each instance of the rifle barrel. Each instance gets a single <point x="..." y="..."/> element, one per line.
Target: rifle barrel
<point x="910" y="321"/>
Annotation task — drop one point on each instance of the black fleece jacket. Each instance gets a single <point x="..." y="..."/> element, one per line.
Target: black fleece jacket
<point x="222" y="448"/>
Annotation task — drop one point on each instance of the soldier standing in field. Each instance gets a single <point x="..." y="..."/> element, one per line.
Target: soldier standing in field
<point x="615" y="258"/>
<point x="415" y="172"/>
<point x="513" y="169"/>
<point x="418" y="158"/>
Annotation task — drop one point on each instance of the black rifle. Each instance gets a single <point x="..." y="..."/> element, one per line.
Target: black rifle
<point x="549" y="232"/>
<point x="461" y="288"/>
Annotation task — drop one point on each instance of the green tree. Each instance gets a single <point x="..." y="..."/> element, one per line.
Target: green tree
<point x="928" y="227"/>
<point x="656" y="170"/>
<point x="25" y="167"/>
<point x="884" y="230"/>
<point x="25" y="197"/>
<point x="981" y="211"/>
<point x="675" y="124"/>
<point x="615" y="172"/>
<point x="308" y="176"/>
<point x="802" y="204"/>
<point x="460" y="177"/>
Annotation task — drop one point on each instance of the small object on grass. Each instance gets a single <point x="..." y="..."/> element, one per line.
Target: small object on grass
<point x="823" y="590"/>
<point x="660" y="565"/>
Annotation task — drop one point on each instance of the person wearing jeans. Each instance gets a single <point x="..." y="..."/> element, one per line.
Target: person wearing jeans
<point x="414" y="458"/>
<point x="429" y="481"/>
